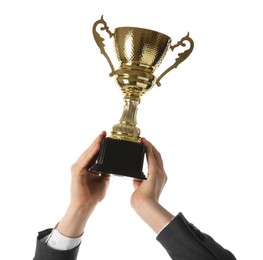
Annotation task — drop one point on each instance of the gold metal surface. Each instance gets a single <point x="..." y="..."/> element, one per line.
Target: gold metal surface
<point x="126" y="129"/>
<point x="140" y="52"/>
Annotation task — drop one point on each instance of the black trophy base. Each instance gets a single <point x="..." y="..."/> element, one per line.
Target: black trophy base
<point x="119" y="157"/>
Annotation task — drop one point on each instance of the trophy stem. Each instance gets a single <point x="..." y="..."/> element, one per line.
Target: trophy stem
<point x="126" y="129"/>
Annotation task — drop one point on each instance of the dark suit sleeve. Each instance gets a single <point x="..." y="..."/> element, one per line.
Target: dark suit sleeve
<point x="183" y="241"/>
<point x="44" y="252"/>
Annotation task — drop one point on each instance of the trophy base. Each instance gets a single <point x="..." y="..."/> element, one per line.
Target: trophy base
<point x="119" y="157"/>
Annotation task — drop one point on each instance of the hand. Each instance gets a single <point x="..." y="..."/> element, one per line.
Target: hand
<point x="145" y="198"/>
<point x="87" y="190"/>
<point x="151" y="188"/>
<point x="86" y="187"/>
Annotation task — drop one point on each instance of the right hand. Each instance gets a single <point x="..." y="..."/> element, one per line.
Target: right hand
<point x="145" y="198"/>
<point x="151" y="188"/>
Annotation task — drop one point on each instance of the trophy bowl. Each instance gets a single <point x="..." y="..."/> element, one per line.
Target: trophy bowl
<point x="140" y="52"/>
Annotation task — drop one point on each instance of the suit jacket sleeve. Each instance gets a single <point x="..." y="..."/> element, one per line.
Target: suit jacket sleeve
<point x="183" y="241"/>
<point x="44" y="252"/>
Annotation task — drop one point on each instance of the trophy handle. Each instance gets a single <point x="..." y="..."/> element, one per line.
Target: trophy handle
<point x="181" y="56"/>
<point x="99" y="40"/>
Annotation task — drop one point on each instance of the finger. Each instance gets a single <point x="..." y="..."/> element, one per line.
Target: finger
<point x="158" y="157"/>
<point x="136" y="183"/>
<point x="149" y="152"/>
<point x="156" y="153"/>
<point x="152" y="163"/>
<point x="99" y="177"/>
<point x="161" y="172"/>
<point x="97" y="140"/>
<point x="88" y="156"/>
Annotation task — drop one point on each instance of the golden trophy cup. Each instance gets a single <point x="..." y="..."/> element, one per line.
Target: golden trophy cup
<point x="139" y="52"/>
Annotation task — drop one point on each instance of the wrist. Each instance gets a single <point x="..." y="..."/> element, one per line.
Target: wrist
<point x="152" y="213"/>
<point x="143" y="204"/>
<point x="139" y="200"/>
<point x="84" y="208"/>
<point x="74" y="221"/>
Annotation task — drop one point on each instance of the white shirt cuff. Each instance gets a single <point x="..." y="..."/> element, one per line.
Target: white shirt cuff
<point x="58" y="241"/>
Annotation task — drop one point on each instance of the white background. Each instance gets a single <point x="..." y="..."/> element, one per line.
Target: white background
<point x="205" y="119"/>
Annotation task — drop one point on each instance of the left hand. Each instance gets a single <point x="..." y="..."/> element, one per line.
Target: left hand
<point x="88" y="188"/>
